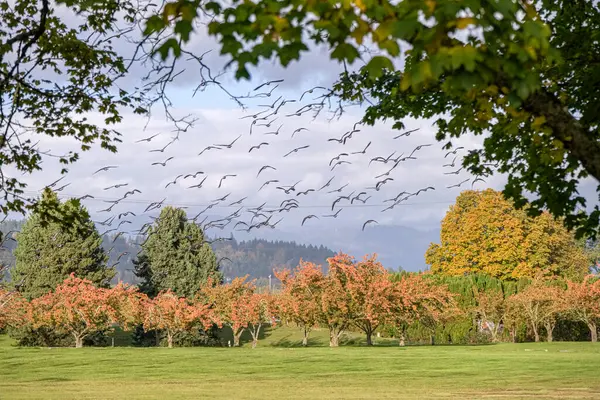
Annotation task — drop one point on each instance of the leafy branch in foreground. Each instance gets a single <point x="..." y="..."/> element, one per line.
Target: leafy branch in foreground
<point x="523" y="74"/>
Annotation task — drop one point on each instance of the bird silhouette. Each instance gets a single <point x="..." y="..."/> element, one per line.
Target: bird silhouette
<point x="164" y="163"/>
<point x="148" y="139"/>
<point x="298" y="130"/>
<point x="276" y="132"/>
<point x="193" y="175"/>
<point x="104" y="169"/>
<point x="258" y="146"/>
<point x="327" y="184"/>
<point x="363" y="151"/>
<point x="371" y="221"/>
<point x="209" y="148"/>
<point x="199" y="185"/>
<point x="333" y="215"/>
<point x="225" y="177"/>
<point x="339" y="190"/>
<point x="308" y="217"/>
<point x="297" y="149"/>
<point x="407" y="133"/>
<point x="267" y="84"/>
<point x="268" y="183"/>
<point x="116" y="186"/>
<point x="230" y="145"/>
<point x="264" y="168"/>
<point x="458" y="184"/>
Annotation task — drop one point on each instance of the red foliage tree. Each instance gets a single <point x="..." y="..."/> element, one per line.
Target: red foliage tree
<point x="172" y="314"/>
<point x="76" y="306"/>
<point x="260" y="310"/>
<point x="416" y="298"/>
<point x="540" y="303"/>
<point x="583" y="302"/>
<point x="336" y="301"/>
<point x="300" y="298"/>
<point x="130" y="305"/>
<point x="13" y="309"/>
<point x="229" y="303"/>
<point x="371" y="293"/>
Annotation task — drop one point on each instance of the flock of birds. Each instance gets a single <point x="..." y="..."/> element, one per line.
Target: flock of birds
<point x="267" y="122"/>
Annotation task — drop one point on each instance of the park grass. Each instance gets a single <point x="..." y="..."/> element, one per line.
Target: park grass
<point x="505" y="371"/>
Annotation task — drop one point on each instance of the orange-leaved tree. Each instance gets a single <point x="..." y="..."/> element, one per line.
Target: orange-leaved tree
<point x="371" y="294"/>
<point x="300" y="297"/>
<point x="336" y="300"/>
<point x="416" y="298"/>
<point x="261" y="309"/>
<point x="77" y="307"/>
<point x="130" y="304"/>
<point x="583" y="301"/>
<point x="173" y="314"/>
<point x="483" y="233"/>
<point x="14" y="308"/>
<point x="229" y="304"/>
<point x="540" y="303"/>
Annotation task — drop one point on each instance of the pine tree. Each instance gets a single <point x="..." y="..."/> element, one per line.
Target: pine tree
<point x="175" y="256"/>
<point x="48" y="252"/>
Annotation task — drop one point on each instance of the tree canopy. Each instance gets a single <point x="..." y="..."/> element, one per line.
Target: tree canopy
<point x="175" y="256"/>
<point x="524" y="74"/>
<point x="48" y="253"/>
<point x="484" y="233"/>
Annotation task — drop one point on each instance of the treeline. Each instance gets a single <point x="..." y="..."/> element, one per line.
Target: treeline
<point x="358" y="295"/>
<point x="509" y="276"/>
<point x="258" y="258"/>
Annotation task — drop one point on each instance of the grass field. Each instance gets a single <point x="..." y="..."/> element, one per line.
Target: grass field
<point x="506" y="371"/>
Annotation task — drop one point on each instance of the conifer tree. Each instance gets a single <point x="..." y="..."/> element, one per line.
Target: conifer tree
<point x="175" y="256"/>
<point x="48" y="252"/>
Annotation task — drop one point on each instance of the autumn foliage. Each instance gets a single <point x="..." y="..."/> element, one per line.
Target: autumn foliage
<point x="349" y="295"/>
<point x="483" y="233"/>
<point x="76" y="307"/>
<point x="172" y="314"/>
<point x="583" y="300"/>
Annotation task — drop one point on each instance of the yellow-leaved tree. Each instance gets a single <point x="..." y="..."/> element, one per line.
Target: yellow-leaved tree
<point x="483" y="233"/>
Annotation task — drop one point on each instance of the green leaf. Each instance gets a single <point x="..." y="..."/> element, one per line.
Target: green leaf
<point x="376" y="66"/>
<point x="345" y="51"/>
<point x="183" y="28"/>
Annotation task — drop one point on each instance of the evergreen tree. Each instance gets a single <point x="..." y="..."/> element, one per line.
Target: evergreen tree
<point x="175" y="256"/>
<point x="48" y="252"/>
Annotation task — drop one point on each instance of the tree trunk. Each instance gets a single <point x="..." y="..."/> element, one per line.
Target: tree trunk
<point x="255" y="331"/>
<point x="432" y="340"/>
<point x="334" y="337"/>
<point x="593" y="331"/>
<point x="78" y="341"/>
<point x="401" y="342"/>
<point x="549" y="330"/>
<point x="513" y="334"/>
<point x="236" y="337"/>
<point x="157" y="338"/>
<point x="170" y="339"/>
<point x="369" y="331"/>
<point x="305" y="337"/>
<point x="536" y="334"/>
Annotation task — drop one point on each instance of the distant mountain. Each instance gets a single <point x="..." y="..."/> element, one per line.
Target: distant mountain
<point x="256" y="254"/>
<point x="396" y="246"/>
<point x="259" y="257"/>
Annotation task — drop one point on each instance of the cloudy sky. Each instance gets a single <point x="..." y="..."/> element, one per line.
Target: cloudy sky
<point x="220" y="120"/>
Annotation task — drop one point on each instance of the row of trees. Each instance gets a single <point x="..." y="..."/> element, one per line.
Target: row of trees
<point x="359" y="295"/>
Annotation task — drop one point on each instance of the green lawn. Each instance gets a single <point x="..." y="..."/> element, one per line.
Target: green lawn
<point x="540" y="371"/>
